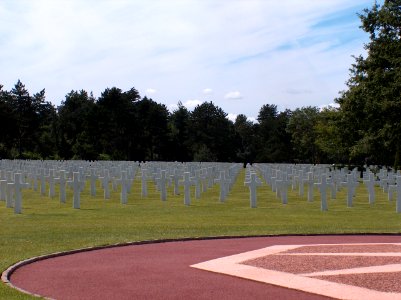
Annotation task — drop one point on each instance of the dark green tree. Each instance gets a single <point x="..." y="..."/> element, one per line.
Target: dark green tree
<point x="46" y="135"/>
<point x="246" y="137"/>
<point x="117" y="123"/>
<point x="152" y="130"/>
<point x="371" y="106"/>
<point x="28" y="120"/>
<point x="6" y="124"/>
<point x="328" y="131"/>
<point x="302" y="128"/>
<point x="273" y="143"/>
<point x="179" y="131"/>
<point x="24" y="117"/>
<point x="78" y="136"/>
<point x="211" y="134"/>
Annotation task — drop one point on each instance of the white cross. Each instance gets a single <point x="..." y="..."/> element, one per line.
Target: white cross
<point x="210" y="176"/>
<point x="34" y="177"/>
<point x="351" y="185"/>
<point x="370" y="185"/>
<point x="18" y="186"/>
<point x="223" y="185"/>
<point x="331" y="182"/>
<point x="398" y="203"/>
<point x="125" y="184"/>
<point x="187" y="182"/>
<point x="197" y="180"/>
<point x="282" y="186"/>
<point x="76" y="186"/>
<point x="3" y="189"/>
<point x="175" y="178"/>
<point x="42" y="181"/>
<point x="204" y="179"/>
<point x="105" y="183"/>
<point x="161" y="183"/>
<point x="253" y="183"/>
<point x="62" y="181"/>
<point x="92" y="179"/>
<point x="322" y="188"/>
<point x="51" y="181"/>
<point x="10" y="195"/>
<point x="310" y="182"/>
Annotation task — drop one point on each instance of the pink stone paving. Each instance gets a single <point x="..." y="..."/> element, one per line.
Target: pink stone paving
<point x="342" y="271"/>
<point x="309" y="264"/>
<point x="385" y="282"/>
<point x="369" y="248"/>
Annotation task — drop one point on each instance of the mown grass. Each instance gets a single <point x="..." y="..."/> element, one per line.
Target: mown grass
<point x="46" y="226"/>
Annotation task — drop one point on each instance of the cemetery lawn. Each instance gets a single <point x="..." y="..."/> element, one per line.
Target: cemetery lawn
<point x="46" y="226"/>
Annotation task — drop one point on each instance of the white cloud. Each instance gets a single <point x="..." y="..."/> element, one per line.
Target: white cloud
<point x="150" y="91"/>
<point x="258" y="47"/>
<point x="298" y="91"/>
<point x="233" y="95"/>
<point x="207" y="91"/>
<point x="172" y="107"/>
<point x="334" y="105"/>
<point x="252" y="119"/>
<point x="232" y="117"/>
<point x="191" y="104"/>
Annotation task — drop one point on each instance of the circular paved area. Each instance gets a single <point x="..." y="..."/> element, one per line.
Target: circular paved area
<point x="162" y="270"/>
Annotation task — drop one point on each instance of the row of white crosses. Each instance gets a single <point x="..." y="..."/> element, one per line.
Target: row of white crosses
<point x="11" y="185"/>
<point x="16" y="175"/>
<point x="279" y="177"/>
<point x="200" y="175"/>
<point x="387" y="180"/>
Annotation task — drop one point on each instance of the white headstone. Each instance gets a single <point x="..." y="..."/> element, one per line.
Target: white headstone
<point x="42" y="181"/>
<point x="197" y="180"/>
<point x="50" y="179"/>
<point x="105" y="183"/>
<point x="125" y="183"/>
<point x="18" y="186"/>
<point x="162" y="181"/>
<point x="175" y="179"/>
<point x="253" y="183"/>
<point x="187" y="183"/>
<point x="283" y="183"/>
<point x="62" y="181"/>
<point x="323" y="189"/>
<point x="76" y="187"/>
<point x="3" y="189"/>
<point x="92" y="179"/>
<point x="370" y="185"/>
<point x="311" y="183"/>
<point x="223" y="182"/>
<point x="351" y="185"/>
<point x="398" y="189"/>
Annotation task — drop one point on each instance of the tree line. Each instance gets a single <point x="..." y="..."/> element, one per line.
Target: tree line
<point x="122" y="125"/>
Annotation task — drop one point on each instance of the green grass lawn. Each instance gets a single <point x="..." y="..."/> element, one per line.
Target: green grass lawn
<point x="46" y="226"/>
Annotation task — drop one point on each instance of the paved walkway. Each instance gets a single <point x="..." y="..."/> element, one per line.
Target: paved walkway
<point x="163" y="270"/>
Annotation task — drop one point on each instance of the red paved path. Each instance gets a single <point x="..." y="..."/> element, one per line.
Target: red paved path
<point x="161" y="271"/>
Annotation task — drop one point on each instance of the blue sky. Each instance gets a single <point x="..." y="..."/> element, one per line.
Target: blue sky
<point x="240" y="54"/>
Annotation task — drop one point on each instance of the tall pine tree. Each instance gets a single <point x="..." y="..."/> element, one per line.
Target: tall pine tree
<point x="371" y="107"/>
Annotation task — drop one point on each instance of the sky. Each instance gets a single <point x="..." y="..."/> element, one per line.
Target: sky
<point x="240" y="54"/>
